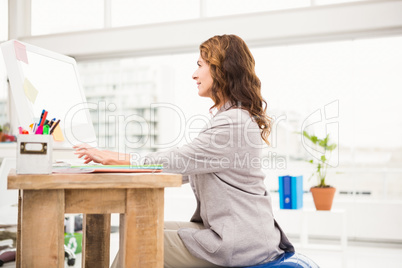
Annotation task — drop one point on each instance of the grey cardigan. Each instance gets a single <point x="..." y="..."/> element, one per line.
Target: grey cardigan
<point x="223" y="167"/>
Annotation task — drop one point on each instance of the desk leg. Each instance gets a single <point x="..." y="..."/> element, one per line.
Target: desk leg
<point x="141" y="229"/>
<point x="42" y="228"/>
<point x="96" y="240"/>
<point x="18" y="253"/>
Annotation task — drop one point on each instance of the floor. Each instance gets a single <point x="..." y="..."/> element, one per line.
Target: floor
<point x="357" y="255"/>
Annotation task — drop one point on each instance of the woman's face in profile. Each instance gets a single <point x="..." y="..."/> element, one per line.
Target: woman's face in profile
<point x="203" y="77"/>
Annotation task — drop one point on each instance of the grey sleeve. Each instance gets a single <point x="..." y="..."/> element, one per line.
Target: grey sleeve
<point x="211" y="151"/>
<point x="185" y="179"/>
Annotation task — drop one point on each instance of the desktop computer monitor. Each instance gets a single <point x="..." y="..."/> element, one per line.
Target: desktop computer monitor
<point x="44" y="80"/>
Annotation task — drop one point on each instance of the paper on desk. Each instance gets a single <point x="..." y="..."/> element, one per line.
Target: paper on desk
<point x="119" y="170"/>
<point x="30" y="91"/>
<point x="106" y="169"/>
<point x="71" y="170"/>
<point x="20" y="52"/>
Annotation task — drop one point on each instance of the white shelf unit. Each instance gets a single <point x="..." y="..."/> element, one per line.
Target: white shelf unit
<point x="122" y="93"/>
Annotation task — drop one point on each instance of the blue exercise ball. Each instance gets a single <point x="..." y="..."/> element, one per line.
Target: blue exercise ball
<point x="289" y="260"/>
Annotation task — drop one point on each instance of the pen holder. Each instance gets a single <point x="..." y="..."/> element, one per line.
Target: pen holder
<point x="34" y="154"/>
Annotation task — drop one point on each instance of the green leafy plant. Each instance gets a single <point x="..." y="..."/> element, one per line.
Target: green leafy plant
<point x="322" y="162"/>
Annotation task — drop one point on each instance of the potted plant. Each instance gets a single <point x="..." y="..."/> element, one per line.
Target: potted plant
<point x="323" y="194"/>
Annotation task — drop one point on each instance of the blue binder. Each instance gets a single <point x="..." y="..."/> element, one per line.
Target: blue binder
<point x="287" y="192"/>
<point x="297" y="192"/>
<point x="280" y="191"/>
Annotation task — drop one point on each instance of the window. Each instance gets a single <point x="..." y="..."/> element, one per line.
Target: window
<point x="362" y="75"/>
<point x="231" y="7"/>
<point x="3" y="20"/>
<point x="50" y="17"/>
<point x="362" y="78"/>
<point x="332" y="2"/>
<point x="3" y="74"/>
<point x="3" y="92"/>
<point x="135" y="12"/>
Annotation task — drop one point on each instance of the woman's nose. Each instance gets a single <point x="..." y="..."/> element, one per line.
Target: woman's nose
<point x="195" y="75"/>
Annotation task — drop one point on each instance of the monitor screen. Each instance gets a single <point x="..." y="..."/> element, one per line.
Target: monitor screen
<point x="44" y="80"/>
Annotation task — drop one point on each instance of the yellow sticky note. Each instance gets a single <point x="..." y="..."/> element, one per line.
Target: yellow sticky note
<point x="30" y="91"/>
<point x="58" y="134"/>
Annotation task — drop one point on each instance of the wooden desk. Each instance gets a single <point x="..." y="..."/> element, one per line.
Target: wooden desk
<point x="138" y="197"/>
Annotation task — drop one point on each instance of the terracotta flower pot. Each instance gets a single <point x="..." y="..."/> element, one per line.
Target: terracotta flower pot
<point x="323" y="197"/>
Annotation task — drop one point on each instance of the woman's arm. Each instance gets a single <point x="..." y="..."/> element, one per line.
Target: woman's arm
<point x="104" y="157"/>
<point x="213" y="150"/>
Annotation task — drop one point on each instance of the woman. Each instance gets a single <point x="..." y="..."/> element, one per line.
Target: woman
<point x="233" y="224"/>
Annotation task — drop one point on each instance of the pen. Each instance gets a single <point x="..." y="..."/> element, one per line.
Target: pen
<point x="54" y="126"/>
<point x="43" y="118"/>
<point x="52" y="122"/>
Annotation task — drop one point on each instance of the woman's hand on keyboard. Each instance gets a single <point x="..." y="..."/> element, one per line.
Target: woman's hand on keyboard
<point x="103" y="157"/>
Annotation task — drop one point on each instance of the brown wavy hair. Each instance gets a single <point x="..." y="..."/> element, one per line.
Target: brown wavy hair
<point x="232" y="68"/>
